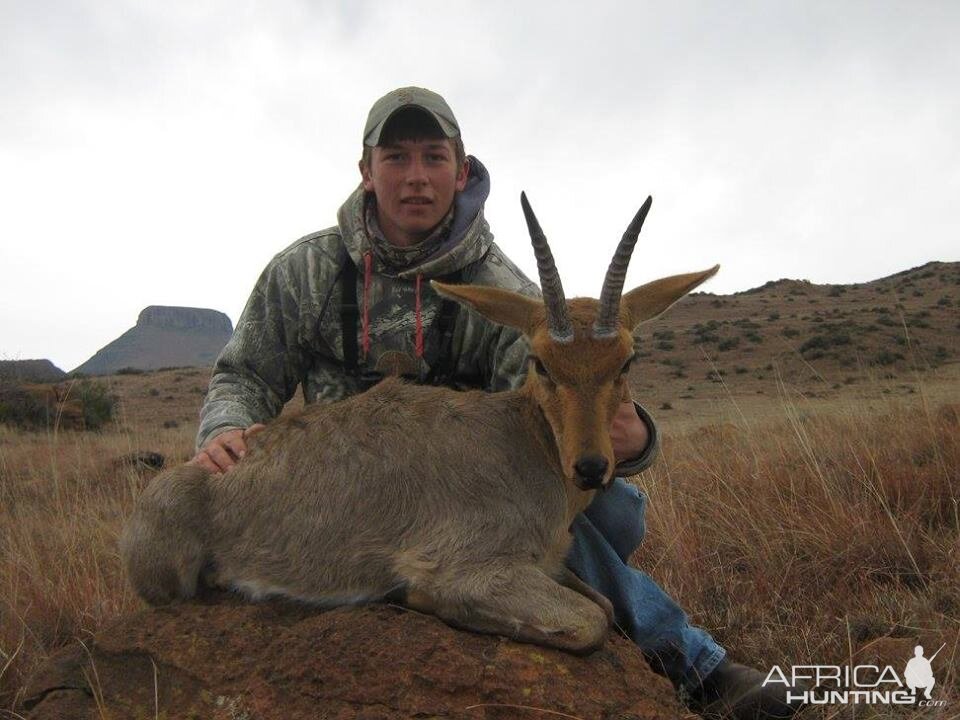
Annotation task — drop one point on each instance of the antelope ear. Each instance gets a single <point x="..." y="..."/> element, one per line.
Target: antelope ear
<point x="648" y="301"/>
<point x="503" y="307"/>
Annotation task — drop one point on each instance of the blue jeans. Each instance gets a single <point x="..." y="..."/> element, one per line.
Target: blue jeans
<point x="604" y="538"/>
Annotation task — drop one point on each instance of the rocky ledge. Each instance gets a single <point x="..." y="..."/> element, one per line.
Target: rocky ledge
<point x="222" y="658"/>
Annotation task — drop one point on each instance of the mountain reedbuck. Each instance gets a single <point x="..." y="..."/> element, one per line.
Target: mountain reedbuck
<point x="457" y="503"/>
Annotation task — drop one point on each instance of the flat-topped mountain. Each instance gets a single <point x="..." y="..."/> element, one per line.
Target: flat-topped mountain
<point x="164" y="336"/>
<point x="184" y="318"/>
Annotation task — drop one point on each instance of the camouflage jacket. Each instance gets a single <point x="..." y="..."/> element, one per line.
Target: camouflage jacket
<point x="290" y="332"/>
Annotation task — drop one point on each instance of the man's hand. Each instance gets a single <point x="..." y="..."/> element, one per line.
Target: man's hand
<point x="225" y="450"/>
<point x="628" y="433"/>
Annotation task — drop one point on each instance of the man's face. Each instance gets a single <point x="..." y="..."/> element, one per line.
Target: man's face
<point x="415" y="182"/>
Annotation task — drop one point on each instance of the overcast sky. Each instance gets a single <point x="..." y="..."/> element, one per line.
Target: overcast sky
<point x="161" y="153"/>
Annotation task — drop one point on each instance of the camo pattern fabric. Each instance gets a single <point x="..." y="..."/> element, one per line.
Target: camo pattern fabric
<point x="290" y="331"/>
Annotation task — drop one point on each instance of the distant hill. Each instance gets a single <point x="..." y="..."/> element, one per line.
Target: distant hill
<point x="164" y="336"/>
<point x="32" y="371"/>
<point x="797" y="331"/>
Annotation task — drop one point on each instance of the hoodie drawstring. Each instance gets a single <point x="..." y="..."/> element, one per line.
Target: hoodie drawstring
<point x="418" y="345"/>
<point x="367" y="268"/>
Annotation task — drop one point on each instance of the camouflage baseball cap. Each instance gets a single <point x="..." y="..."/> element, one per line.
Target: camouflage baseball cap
<point x="427" y="100"/>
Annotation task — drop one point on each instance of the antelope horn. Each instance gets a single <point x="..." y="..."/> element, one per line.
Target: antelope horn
<point x="608" y="315"/>
<point x="558" y="321"/>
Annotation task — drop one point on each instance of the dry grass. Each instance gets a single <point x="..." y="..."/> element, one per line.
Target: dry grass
<point x="827" y="538"/>
<point x="808" y="538"/>
<point x="62" y="503"/>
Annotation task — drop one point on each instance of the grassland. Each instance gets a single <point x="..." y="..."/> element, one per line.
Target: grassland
<point x="798" y="530"/>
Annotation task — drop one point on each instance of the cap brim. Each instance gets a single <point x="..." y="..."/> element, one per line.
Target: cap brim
<point x="446" y="127"/>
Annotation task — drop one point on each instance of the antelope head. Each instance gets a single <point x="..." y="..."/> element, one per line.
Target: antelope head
<point x="580" y="349"/>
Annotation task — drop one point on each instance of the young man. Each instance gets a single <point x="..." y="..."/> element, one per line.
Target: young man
<point x="340" y="308"/>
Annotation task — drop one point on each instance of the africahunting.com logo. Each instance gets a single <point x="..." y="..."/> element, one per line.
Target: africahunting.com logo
<point x="861" y="684"/>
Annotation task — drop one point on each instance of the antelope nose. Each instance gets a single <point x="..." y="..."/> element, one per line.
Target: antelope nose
<point x="591" y="469"/>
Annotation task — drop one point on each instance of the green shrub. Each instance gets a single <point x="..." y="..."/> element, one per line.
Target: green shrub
<point x="20" y="408"/>
<point x="885" y="357"/>
<point x="817" y="342"/>
<point x="825" y="342"/>
<point x="86" y="404"/>
<point x="96" y="402"/>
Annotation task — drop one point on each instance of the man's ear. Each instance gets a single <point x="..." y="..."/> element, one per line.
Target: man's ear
<point x="365" y="175"/>
<point x="462" y="174"/>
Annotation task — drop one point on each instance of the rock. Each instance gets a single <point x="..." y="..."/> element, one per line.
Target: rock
<point x="141" y="460"/>
<point x="184" y="318"/>
<point x="222" y="658"/>
<point x="164" y="337"/>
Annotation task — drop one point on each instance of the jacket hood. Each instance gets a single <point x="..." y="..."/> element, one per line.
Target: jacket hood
<point x="468" y="240"/>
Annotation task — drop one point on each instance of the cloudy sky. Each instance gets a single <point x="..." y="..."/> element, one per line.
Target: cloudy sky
<point x="162" y="153"/>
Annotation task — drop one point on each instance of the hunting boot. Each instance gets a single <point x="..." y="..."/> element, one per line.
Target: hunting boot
<point x="736" y="692"/>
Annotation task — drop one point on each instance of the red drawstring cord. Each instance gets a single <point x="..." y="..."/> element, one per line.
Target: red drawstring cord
<point x="419" y="341"/>
<point x="367" y="266"/>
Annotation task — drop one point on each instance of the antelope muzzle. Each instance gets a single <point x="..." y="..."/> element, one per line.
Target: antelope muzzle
<point x="590" y="472"/>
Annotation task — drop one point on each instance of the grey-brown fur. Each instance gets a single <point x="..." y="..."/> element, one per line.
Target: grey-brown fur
<point x="469" y="515"/>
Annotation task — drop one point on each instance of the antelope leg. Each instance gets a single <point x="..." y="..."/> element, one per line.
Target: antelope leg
<point x="570" y="580"/>
<point x="525" y="604"/>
